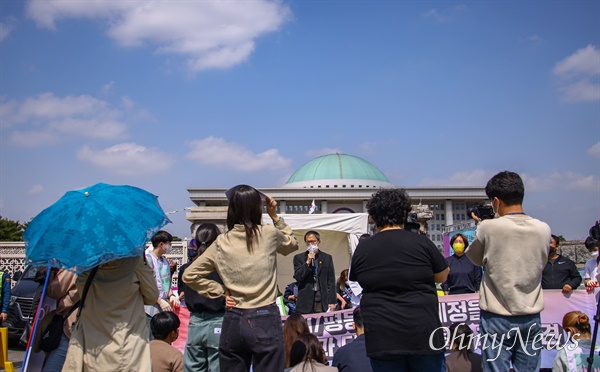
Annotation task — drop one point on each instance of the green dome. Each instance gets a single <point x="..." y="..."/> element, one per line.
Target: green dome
<point x="338" y="167"/>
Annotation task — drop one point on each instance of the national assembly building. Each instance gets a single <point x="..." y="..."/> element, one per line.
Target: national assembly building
<point x="341" y="183"/>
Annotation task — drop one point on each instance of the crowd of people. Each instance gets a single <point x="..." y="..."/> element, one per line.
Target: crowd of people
<point x="125" y="317"/>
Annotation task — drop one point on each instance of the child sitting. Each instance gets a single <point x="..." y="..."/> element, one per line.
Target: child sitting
<point x="165" y="328"/>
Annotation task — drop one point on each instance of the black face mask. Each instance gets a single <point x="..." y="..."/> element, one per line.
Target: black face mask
<point x="192" y="253"/>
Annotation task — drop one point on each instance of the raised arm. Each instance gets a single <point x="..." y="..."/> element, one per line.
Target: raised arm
<point x="475" y="249"/>
<point x="286" y="242"/>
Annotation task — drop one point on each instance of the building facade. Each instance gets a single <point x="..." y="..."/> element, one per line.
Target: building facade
<point x="340" y="183"/>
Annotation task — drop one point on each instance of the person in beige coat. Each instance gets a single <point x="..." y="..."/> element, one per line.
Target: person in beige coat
<point x="111" y="333"/>
<point x="245" y="257"/>
<point x="62" y="288"/>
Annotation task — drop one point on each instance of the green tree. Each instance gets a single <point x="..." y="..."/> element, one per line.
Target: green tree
<point x="11" y="231"/>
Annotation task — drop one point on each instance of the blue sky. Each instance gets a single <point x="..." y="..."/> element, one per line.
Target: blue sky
<point x="170" y="95"/>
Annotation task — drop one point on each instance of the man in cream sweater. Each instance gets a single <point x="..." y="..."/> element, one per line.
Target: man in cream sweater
<point x="513" y="249"/>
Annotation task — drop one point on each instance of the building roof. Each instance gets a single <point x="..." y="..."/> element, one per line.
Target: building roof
<point x="337" y="167"/>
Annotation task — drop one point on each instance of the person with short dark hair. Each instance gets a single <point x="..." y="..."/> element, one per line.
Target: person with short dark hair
<point x="165" y="328"/>
<point x="397" y="270"/>
<point x="464" y="277"/>
<point x="290" y="296"/>
<point x="560" y="272"/>
<point x="353" y="357"/>
<point x="314" y="272"/>
<point x="156" y="260"/>
<point x="513" y="249"/>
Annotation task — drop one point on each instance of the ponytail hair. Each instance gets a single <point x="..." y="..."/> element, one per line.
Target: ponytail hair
<point x="576" y="322"/>
<point x="206" y="234"/>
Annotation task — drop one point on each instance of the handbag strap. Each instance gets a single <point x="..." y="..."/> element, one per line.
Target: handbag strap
<point x="85" y="290"/>
<point x="73" y="308"/>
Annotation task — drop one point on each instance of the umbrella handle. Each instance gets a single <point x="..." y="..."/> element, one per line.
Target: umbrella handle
<point x="36" y="320"/>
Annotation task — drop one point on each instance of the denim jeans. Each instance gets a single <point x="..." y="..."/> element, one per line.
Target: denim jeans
<point x="252" y="337"/>
<point x="202" y="346"/>
<point x="411" y="363"/>
<point x="56" y="358"/>
<point x="506" y="339"/>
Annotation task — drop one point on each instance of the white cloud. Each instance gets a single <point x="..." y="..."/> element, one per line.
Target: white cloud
<point x="33" y="138"/>
<point x="127" y="103"/>
<point x="534" y="38"/>
<point x="7" y="109"/>
<point x="581" y="182"/>
<point x="435" y="14"/>
<point x="368" y="147"/>
<point x="209" y="34"/>
<point x="577" y="72"/>
<point x="6" y="27"/>
<point x="323" y="151"/>
<point x="217" y="151"/>
<point x="127" y="159"/>
<point x="583" y="61"/>
<point x="582" y="90"/>
<point x="550" y="181"/>
<point x="35" y="189"/>
<point x="561" y="181"/>
<point x="108" y="87"/>
<point x="47" y="118"/>
<point x="477" y="177"/>
<point x="446" y="14"/>
<point x="594" y="150"/>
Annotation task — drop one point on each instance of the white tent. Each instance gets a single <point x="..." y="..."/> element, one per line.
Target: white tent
<point x="339" y="237"/>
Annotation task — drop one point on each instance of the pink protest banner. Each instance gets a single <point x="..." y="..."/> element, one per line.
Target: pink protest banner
<point x="334" y="329"/>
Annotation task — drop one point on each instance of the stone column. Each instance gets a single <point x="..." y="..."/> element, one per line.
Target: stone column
<point x="449" y="213"/>
<point x="324" y="206"/>
<point x="282" y="207"/>
<point x="365" y="206"/>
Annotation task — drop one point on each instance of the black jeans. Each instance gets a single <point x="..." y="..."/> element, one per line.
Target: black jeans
<point x="252" y="337"/>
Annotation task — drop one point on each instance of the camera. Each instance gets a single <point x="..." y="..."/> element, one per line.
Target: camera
<point x="484" y="212"/>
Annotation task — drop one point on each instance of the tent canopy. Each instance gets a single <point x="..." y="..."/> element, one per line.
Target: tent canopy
<point x="339" y="237"/>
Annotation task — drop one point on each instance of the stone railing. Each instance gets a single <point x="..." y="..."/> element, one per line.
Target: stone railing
<point x="576" y="251"/>
<point x="12" y="257"/>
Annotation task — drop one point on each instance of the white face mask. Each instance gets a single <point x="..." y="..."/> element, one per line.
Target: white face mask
<point x="169" y="248"/>
<point x="594" y="254"/>
<point x="494" y="209"/>
<point x="312" y="248"/>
